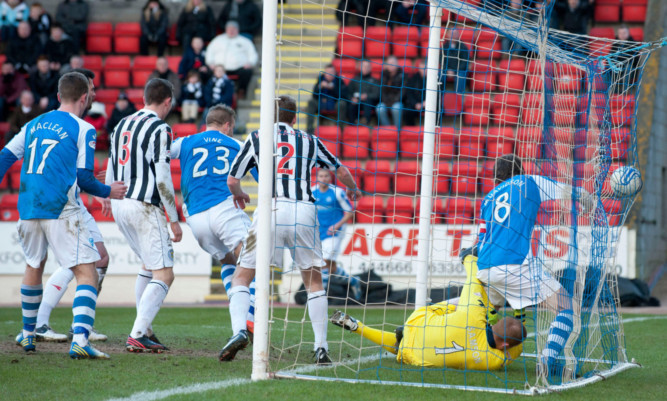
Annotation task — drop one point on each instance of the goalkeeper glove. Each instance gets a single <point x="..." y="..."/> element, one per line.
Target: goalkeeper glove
<point x="468" y="251"/>
<point x="492" y="315"/>
<point x="520" y="314"/>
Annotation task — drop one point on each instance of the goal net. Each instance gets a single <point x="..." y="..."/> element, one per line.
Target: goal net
<point x="419" y="100"/>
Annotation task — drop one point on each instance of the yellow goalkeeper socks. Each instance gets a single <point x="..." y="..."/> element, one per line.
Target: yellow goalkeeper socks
<point x="384" y="338"/>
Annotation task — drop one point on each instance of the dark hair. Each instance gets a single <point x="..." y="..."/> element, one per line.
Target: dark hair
<point x="42" y="57"/>
<point x="286" y="109"/>
<point x="507" y="166"/>
<point x="72" y="86"/>
<point x="86" y="72"/>
<point x="192" y="73"/>
<point x="158" y="90"/>
<point x="220" y="114"/>
<point x="56" y="25"/>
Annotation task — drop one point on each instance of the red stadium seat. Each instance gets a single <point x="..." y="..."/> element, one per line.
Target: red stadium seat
<point x="486" y="177"/>
<point x="117" y="72"/>
<point x="377" y="42"/>
<point x="499" y="141"/>
<point x="98" y="37"/>
<point x="471" y="143"/>
<point x="464" y="178"/>
<point x="8" y="207"/>
<point x="457" y="211"/>
<point x="476" y="109"/>
<point x="452" y="103"/>
<point x="136" y="96"/>
<point x="634" y="10"/>
<point x="384" y="142"/>
<point x="411" y="138"/>
<point x="532" y="113"/>
<point x="637" y="33"/>
<point x="622" y="109"/>
<point x="106" y="96"/>
<point x="564" y="110"/>
<point x="444" y="142"/>
<point x="528" y="143"/>
<point x="614" y="209"/>
<point x="356" y="142"/>
<point x="534" y="76"/>
<point x="408" y="178"/>
<point x="126" y="37"/>
<point x="378" y="177"/>
<point x="607" y="11"/>
<point x="620" y="140"/>
<point x="355" y="167"/>
<point x="600" y="32"/>
<point x="400" y="210"/>
<point x="487" y="44"/>
<point x="345" y="66"/>
<point x="183" y="129"/>
<point x="442" y="177"/>
<point x="511" y="75"/>
<point x="94" y="63"/>
<point x="330" y="136"/>
<point x="15" y="175"/>
<point x="173" y="62"/>
<point x="142" y="68"/>
<point x="405" y="41"/>
<point x="370" y="209"/>
<point x="482" y="76"/>
<point x="350" y="41"/>
<point x="506" y="109"/>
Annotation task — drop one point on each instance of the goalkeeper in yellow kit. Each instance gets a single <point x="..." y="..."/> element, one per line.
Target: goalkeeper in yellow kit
<point x="447" y="334"/>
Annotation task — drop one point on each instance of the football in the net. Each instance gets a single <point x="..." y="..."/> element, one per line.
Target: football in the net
<point x="626" y="181"/>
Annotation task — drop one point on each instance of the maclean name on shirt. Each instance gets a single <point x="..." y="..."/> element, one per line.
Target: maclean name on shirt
<point x="51" y="127"/>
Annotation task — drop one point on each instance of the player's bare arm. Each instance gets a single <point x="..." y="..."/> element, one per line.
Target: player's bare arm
<point x="240" y="197"/>
<point x="347" y="216"/>
<point x="344" y="176"/>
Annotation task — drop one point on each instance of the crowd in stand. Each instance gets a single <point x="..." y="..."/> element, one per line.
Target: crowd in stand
<point x="40" y="48"/>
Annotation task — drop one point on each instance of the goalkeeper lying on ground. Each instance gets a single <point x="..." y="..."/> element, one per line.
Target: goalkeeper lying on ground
<point x="446" y="334"/>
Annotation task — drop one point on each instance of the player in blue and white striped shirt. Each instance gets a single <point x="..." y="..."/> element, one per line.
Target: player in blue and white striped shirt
<point x="59" y="149"/>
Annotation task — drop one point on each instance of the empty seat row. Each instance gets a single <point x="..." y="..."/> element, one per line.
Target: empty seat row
<point x="124" y="35"/>
<point x="124" y="71"/>
<point x="620" y="10"/>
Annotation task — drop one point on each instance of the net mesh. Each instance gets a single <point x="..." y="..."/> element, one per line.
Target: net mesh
<point x="565" y="104"/>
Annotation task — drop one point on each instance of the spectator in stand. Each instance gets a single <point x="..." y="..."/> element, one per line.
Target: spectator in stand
<point x="12" y="12"/>
<point x="414" y="95"/>
<point x="246" y="13"/>
<point x="194" y="58"/>
<point x="391" y="93"/>
<point x="22" y="51"/>
<point x="162" y="71"/>
<point x="328" y="90"/>
<point x="40" y="22"/>
<point x="11" y="86"/>
<point x="409" y="12"/>
<point x="44" y="85"/>
<point x="154" y="26"/>
<point x="219" y="89"/>
<point x="59" y="49"/>
<point x="192" y="97"/>
<point x="348" y="8"/>
<point x="456" y="57"/>
<point x="195" y="20"/>
<point x="624" y="53"/>
<point x="363" y="93"/>
<point x="75" y="62"/>
<point x="122" y="109"/>
<point x="234" y="52"/>
<point x="574" y="15"/>
<point x="73" y="17"/>
<point x="26" y="111"/>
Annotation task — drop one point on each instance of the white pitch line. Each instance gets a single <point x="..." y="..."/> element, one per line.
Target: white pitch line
<point x="203" y="387"/>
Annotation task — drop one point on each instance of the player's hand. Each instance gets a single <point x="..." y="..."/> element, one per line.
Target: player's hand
<point x="354" y="194"/>
<point x="178" y="233"/>
<point x="101" y="176"/>
<point x="332" y="230"/>
<point x="241" y="200"/>
<point x="118" y="190"/>
<point x="106" y="205"/>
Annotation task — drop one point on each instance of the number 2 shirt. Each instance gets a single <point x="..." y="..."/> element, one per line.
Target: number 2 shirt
<point x="53" y="146"/>
<point x="508" y="216"/>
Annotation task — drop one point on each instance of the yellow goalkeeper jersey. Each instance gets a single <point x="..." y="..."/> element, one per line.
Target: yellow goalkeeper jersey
<point x="454" y="336"/>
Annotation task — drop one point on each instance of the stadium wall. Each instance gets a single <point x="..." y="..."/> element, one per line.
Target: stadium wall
<point x="650" y="215"/>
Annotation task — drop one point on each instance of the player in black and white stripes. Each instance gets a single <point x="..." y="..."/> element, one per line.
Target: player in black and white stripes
<point x="139" y="156"/>
<point x="294" y="221"/>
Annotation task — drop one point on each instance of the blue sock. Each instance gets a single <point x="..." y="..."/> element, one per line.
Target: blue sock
<point x="559" y="332"/>
<point x="31" y="297"/>
<point x="83" y="309"/>
<point x="226" y="273"/>
<point x="251" y="311"/>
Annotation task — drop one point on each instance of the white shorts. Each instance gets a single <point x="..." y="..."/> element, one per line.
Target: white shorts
<point x="220" y="229"/>
<point x="294" y="226"/>
<point x="516" y="284"/>
<point x="145" y="228"/>
<point x="92" y="226"/>
<point x="331" y="247"/>
<point x="68" y="237"/>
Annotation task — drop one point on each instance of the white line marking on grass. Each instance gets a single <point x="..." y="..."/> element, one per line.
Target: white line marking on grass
<point x="203" y="387"/>
<point x="195" y="388"/>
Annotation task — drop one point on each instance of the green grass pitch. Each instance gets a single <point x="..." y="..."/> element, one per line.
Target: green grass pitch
<point x="196" y="335"/>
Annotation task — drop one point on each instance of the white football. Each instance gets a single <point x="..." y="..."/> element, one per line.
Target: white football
<point x="626" y="181"/>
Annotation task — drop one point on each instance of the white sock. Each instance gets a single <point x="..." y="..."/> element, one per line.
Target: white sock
<point x="317" y="310"/>
<point x="149" y="306"/>
<point x="239" y="304"/>
<point x="143" y="278"/>
<point x="54" y="290"/>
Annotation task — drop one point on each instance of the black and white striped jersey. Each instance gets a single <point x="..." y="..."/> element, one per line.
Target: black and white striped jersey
<point x="296" y="154"/>
<point x="138" y="142"/>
